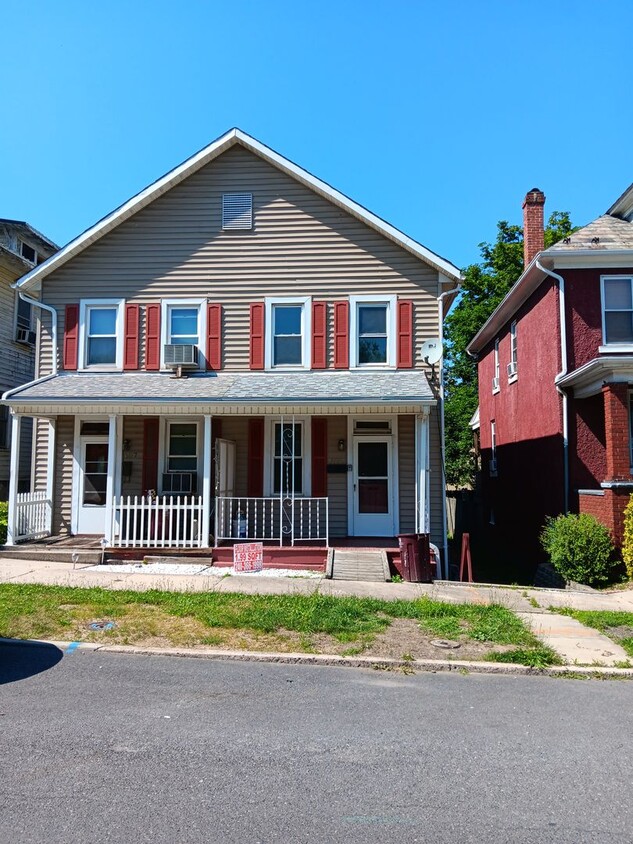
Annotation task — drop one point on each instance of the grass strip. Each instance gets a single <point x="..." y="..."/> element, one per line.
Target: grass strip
<point x="616" y="625"/>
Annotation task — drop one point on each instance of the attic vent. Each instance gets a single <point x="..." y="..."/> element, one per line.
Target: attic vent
<point x="237" y="210"/>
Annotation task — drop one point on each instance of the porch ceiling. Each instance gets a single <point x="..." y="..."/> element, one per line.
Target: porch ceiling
<point x="228" y="392"/>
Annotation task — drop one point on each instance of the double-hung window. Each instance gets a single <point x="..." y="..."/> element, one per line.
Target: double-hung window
<point x="288" y="333"/>
<point x="617" y="310"/>
<point x="512" y="366"/>
<point x="288" y="458"/>
<point x="183" y="326"/>
<point x="101" y="322"/>
<point x="495" y="378"/>
<point x="182" y="447"/>
<point x="184" y="323"/>
<point x="373" y="331"/>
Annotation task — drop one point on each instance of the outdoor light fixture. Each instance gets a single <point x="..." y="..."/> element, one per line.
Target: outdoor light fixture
<point x="341" y="445"/>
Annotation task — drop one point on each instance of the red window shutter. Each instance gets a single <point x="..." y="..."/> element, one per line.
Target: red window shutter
<point x="319" y="456"/>
<point x="214" y="337"/>
<point x="341" y="335"/>
<point x="257" y="335"/>
<point x="150" y="454"/>
<point x="152" y="337"/>
<point x="130" y="344"/>
<point x="319" y="335"/>
<point x="255" y="482"/>
<point x="405" y="335"/>
<point x="71" y="336"/>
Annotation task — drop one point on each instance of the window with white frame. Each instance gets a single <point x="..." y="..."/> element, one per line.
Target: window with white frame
<point x="182" y="447"/>
<point x="288" y="322"/>
<point x="512" y="366"/>
<point x="183" y="323"/>
<point x="288" y="458"/>
<point x="100" y="327"/>
<point x="373" y="331"/>
<point x="495" y="378"/>
<point x="493" y="448"/>
<point x="617" y="310"/>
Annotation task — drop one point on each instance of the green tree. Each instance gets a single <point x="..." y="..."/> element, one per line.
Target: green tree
<point x="484" y="286"/>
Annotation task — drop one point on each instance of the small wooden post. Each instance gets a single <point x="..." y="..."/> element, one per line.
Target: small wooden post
<point x="466" y="561"/>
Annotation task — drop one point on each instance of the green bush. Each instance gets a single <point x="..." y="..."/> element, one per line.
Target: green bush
<point x="627" y="544"/>
<point x="4" y="513"/>
<point x="579" y="548"/>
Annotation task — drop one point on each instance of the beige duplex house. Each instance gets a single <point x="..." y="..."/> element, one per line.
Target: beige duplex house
<point x="239" y="352"/>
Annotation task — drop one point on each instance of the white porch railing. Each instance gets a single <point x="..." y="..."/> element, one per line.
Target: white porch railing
<point x="33" y="516"/>
<point x="286" y="521"/>
<point x="167" y="521"/>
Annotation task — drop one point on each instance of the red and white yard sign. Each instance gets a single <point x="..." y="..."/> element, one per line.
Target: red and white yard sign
<point x="248" y="556"/>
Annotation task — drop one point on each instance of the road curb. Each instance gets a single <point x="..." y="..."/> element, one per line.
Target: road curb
<point x="377" y="663"/>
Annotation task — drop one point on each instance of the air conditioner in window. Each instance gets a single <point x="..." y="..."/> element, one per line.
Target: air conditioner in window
<point x="512" y="369"/>
<point x="492" y="466"/>
<point x="179" y="483"/>
<point x="495" y="383"/>
<point x="185" y="355"/>
<point x="25" y="335"/>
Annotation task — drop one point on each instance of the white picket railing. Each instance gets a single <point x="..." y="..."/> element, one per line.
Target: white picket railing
<point x="168" y="521"/>
<point x="33" y="516"/>
<point x="286" y="521"/>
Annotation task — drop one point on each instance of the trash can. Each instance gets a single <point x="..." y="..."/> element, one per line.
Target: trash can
<point x="416" y="557"/>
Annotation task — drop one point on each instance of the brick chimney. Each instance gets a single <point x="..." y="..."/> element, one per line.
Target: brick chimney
<point x="533" y="236"/>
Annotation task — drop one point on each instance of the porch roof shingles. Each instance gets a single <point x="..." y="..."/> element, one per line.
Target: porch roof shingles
<point x="345" y="387"/>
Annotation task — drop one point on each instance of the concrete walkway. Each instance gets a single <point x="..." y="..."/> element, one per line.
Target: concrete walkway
<point x="573" y="641"/>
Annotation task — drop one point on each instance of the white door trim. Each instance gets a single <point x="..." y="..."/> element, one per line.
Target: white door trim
<point x="394" y="468"/>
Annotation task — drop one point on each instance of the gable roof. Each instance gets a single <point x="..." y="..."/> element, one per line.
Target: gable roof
<point x="200" y="159"/>
<point x="611" y="233"/>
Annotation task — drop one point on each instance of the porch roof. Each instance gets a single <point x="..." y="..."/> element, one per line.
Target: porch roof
<point x="225" y="390"/>
<point x="589" y="378"/>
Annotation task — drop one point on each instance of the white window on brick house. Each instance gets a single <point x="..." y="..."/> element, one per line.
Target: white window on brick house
<point x="493" y="449"/>
<point x="496" y="378"/>
<point x="512" y="366"/>
<point x="617" y="310"/>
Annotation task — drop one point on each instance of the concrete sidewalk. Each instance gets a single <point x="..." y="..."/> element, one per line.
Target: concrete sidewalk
<point x="574" y="642"/>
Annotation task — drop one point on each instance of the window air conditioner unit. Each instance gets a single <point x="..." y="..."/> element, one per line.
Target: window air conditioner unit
<point x="185" y="355"/>
<point x="25" y="335"/>
<point x="179" y="483"/>
<point x="495" y="384"/>
<point x="512" y="369"/>
<point x="493" y="467"/>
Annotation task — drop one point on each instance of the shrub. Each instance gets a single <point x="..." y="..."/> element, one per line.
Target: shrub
<point x="4" y="513"/>
<point x="579" y="547"/>
<point x="627" y="544"/>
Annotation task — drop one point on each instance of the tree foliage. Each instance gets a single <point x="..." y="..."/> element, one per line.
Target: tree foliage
<point x="484" y="286"/>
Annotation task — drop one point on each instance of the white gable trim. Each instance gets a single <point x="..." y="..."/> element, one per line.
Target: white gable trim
<point x="200" y="159"/>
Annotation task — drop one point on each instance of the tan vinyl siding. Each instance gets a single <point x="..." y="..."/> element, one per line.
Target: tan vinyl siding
<point x="406" y="473"/>
<point x="301" y="245"/>
<point x="63" y="488"/>
<point x="337" y="483"/>
<point x="40" y="455"/>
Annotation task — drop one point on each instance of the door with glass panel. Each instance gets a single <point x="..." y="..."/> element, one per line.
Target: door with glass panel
<point x="373" y="487"/>
<point x="92" y="477"/>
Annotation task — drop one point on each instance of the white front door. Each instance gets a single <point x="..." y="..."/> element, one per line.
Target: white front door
<point x="93" y="478"/>
<point x="373" y="487"/>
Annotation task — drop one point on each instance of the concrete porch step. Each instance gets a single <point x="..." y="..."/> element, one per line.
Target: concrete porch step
<point x="45" y="554"/>
<point x="368" y="565"/>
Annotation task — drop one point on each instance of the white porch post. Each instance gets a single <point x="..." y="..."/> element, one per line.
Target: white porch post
<point x="207" y="471"/>
<point x="50" y="471"/>
<point x="16" y="427"/>
<point x="421" y="472"/>
<point x="111" y="479"/>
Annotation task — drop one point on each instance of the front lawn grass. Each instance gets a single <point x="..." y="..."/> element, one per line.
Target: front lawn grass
<point x="616" y="625"/>
<point x="275" y="622"/>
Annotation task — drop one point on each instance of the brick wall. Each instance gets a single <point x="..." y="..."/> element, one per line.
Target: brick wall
<point x="608" y="507"/>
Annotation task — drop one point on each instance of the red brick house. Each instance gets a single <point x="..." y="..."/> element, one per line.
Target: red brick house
<point x="555" y="364"/>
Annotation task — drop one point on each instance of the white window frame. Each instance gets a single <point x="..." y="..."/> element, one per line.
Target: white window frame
<point x="163" y="455"/>
<point x="512" y="376"/>
<point x="496" y="382"/>
<point x="369" y="299"/>
<point x="269" y="453"/>
<point x="306" y="331"/>
<point x="85" y="306"/>
<point x="166" y="306"/>
<point x="494" y="467"/>
<point x="609" y="347"/>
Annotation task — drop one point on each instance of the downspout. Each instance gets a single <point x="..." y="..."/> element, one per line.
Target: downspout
<point x="440" y="300"/>
<point x="563" y="372"/>
<point x="53" y="313"/>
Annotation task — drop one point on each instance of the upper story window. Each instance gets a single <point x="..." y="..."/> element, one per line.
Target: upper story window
<point x="512" y="366"/>
<point x="288" y="333"/>
<point x="495" y="377"/>
<point x="617" y="310"/>
<point x="184" y="323"/>
<point x="28" y="253"/>
<point x="100" y="329"/>
<point x="24" y="322"/>
<point x="373" y="331"/>
<point x="493" y="449"/>
<point x="237" y="211"/>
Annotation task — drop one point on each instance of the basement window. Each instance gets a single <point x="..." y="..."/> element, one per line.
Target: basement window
<point x="237" y="211"/>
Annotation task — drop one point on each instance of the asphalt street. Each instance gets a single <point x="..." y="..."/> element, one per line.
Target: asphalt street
<point x="98" y="747"/>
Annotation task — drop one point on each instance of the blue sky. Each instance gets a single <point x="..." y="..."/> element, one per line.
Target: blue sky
<point x="436" y="116"/>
